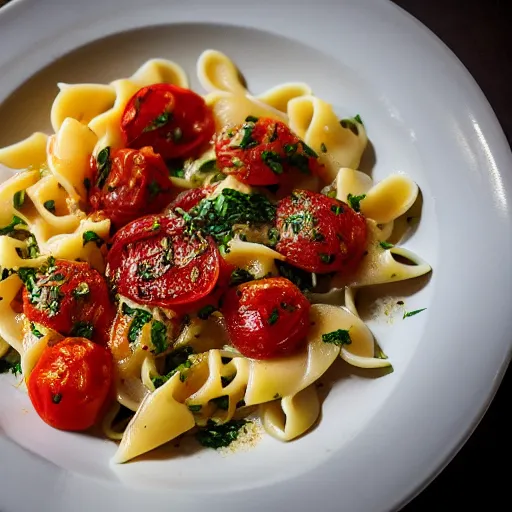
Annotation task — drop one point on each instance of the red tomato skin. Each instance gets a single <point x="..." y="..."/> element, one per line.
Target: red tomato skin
<point x="162" y="267"/>
<point x="138" y="183"/>
<point x="70" y="384"/>
<point x="320" y="234"/>
<point x="271" y="139"/>
<point x="94" y="307"/>
<point x="250" y="312"/>
<point x="176" y="122"/>
<point x="187" y="199"/>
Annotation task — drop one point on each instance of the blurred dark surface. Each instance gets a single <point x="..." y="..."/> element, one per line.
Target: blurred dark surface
<point x="479" y="33"/>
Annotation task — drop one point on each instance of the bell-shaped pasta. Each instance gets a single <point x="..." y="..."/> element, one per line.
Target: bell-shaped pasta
<point x="230" y="109"/>
<point x="292" y="416"/>
<point x="159" y="71"/>
<point x="275" y="378"/>
<point x="28" y="153"/>
<point x="75" y="246"/>
<point x="217" y="72"/>
<point x="390" y="198"/>
<point x="69" y="152"/>
<point x="82" y="102"/>
<point x="10" y="255"/>
<point x="11" y="326"/>
<point x="257" y="259"/>
<point x="107" y="126"/>
<point x="17" y="183"/>
<point x="350" y="181"/>
<point x="278" y="97"/>
<point x="338" y="146"/>
<point x="159" y="419"/>
<point x="32" y="351"/>
<point x="48" y="191"/>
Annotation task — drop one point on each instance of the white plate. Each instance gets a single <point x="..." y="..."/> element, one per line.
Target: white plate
<point x="380" y="440"/>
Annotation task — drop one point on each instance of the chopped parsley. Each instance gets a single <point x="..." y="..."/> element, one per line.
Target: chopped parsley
<point x="222" y="402"/>
<point x="273" y="161"/>
<point x="323" y="148"/>
<point x="239" y="276"/>
<point x="160" y="380"/>
<point x="412" y="313"/>
<point x="103" y="164"/>
<point x="145" y="270"/>
<point x="354" y="201"/>
<point x="247" y="140"/>
<point x="81" y="290"/>
<point x="308" y="150"/>
<point x="10" y="228"/>
<point x="154" y="189"/>
<point x="251" y="119"/>
<point x="350" y="125"/>
<point x="11" y="362"/>
<point x="358" y="119"/>
<point x="56" y="398"/>
<point x="339" y="337"/>
<point x="386" y="245"/>
<point x="219" y="436"/>
<point x="277" y="396"/>
<point x="194" y="408"/>
<point x="216" y="217"/>
<point x="35" y="331"/>
<point x="82" y="330"/>
<point x="50" y="205"/>
<point x="327" y="258"/>
<point x="177" y="173"/>
<point x="158" y="122"/>
<point x="205" y="312"/>
<point x="299" y="160"/>
<point x="159" y="336"/>
<point x="18" y="199"/>
<point x="299" y="277"/>
<point x="337" y="209"/>
<point x="273" y="317"/>
<point x="300" y="221"/>
<point x="91" y="236"/>
<point x="176" y="361"/>
<point x="140" y="319"/>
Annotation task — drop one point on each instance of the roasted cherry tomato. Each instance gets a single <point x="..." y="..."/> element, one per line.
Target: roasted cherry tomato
<point x="262" y="152"/>
<point x="69" y="297"/>
<point x="266" y="318"/>
<point x="189" y="198"/>
<point x="153" y="261"/>
<point x="320" y="234"/>
<point x="176" y="122"/>
<point x="70" y="383"/>
<point x="129" y="183"/>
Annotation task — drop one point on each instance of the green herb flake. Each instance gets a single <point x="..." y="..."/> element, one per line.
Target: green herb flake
<point x="50" y="205"/>
<point x="350" y="125"/>
<point x="339" y="337"/>
<point x="386" y="245"/>
<point x="205" y="312"/>
<point x="35" y="331"/>
<point x="323" y="148"/>
<point x="239" y="276"/>
<point x="56" y="398"/>
<point x="273" y="161"/>
<point x="10" y="228"/>
<point x="159" y="336"/>
<point x="358" y="119"/>
<point x="277" y="396"/>
<point x="177" y="173"/>
<point x="103" y="164"/>
<point x="11" y="362"/>
<point x="222" y="402"/>
<point x="251" y="119"/>
<point x="274" y="317"/>
<point x="82" y="330"/>
<point x="154" y="189"/>
<point x="158" y="122"/>
<point x="91" y="236"/>
<point x="337" y="209"/>
<point x="219" y="436"/>
<point x="140" y="318"/>
<point x="354" y="201"/>
<point x="18" y="199"/>
<point x="412" y="313"/>
<point x="308" y="150"/>
<point x="194" y="408"/>
<point x="327" y="258"/>
<point x="247" y="140"/>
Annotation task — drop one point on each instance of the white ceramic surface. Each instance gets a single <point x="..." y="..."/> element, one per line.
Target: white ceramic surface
<point x="380" y="440"/>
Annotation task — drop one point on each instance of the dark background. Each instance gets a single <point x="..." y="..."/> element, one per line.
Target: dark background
<point x="479" y="33"/>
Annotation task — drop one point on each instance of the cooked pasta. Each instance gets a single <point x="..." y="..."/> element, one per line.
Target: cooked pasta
<point x="198" y="254"/>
